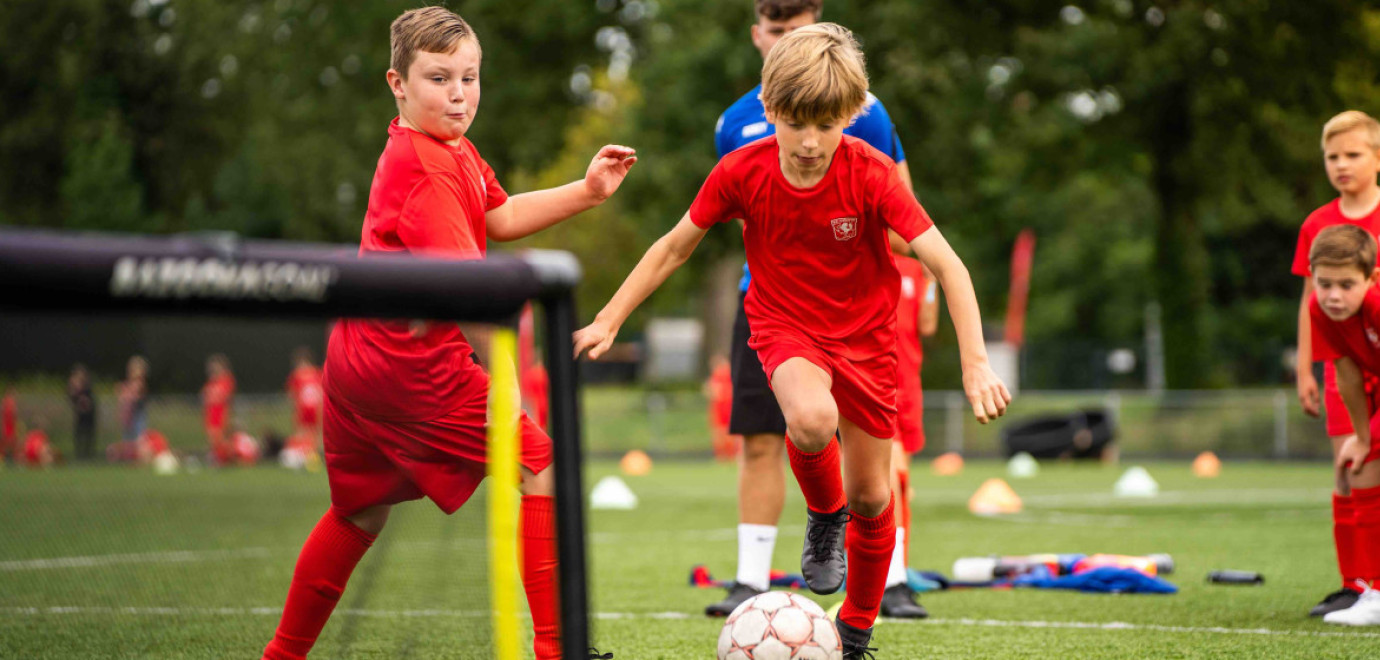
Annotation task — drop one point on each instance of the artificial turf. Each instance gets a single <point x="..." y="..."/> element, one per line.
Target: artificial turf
<point x="102" y="562"/>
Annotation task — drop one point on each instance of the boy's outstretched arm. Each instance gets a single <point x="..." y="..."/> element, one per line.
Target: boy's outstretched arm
<point x="662" y="259"/>
<point x="987" y="394"/>
<point x="1351" y="386"/>
<point x="528" y="213"/>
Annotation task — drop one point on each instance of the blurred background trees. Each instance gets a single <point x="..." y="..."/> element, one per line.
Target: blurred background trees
<point x="1161" y="152"/>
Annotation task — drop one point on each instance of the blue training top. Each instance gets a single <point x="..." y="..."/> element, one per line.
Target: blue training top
<point x="746" y="121"/>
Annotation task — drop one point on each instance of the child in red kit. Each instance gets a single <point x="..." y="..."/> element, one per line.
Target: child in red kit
<point x="9" y="424"/>
<point x="816" y="205"/>
<point x="719" y="391"/>
<point x="216" y="397"/>
<point x="1351" y="156"/>
<point x="406" y="402"/>
<point x="1344" y="314"/>
<point x="305" y="391"/>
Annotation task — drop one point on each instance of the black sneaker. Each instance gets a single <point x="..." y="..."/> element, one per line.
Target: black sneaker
<point x="737" y="593"/>
<point x="1340" y="599"/>
<point x="595" y="655"/>
<point x="855" y="641"/>
<point x="898" y="602"/>
<point x="822" y="561"/>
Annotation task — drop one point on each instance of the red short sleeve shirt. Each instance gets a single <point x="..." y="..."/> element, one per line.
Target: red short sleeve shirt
<point x="820" y="260"/>
<point x="1357" y="338"/>
<point x="427" y="198"/>
<point x="1325" y="216"/>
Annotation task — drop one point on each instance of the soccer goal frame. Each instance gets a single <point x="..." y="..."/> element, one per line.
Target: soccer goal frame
<point x="222" y="274"/>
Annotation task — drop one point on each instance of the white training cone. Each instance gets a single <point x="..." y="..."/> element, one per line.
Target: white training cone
<point x="1022" y="466"/>
<point x="1136" y="482"/>
<point x="612" y="493"/>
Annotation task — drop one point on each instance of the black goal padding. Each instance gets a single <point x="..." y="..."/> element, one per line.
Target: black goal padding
<point x="1082" y="434"/>
<point x="220" y="273"/>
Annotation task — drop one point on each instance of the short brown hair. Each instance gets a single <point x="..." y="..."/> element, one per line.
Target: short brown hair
<point x="1343" y="245"/>
<point x="1350" y="121"/>
<point x="815" y="74"/>
<point x="427" y="30"/>
<point x="780" y="10"/>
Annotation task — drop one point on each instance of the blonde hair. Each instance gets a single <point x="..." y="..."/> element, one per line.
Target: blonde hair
<point x="1342" y="246"/>
<point x="427" y="30"/>
<point x="815" y="74"/>
<point x="1350" y="121"/>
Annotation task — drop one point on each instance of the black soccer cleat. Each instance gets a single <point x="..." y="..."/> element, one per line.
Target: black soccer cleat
<point x="1340" y="599"/>
<point x="823" y="562"/>
<point x="898" y="602"/>
<point x="594" y="654"/>
<point x="855" y="641"/>
<point x="737" y="593"/>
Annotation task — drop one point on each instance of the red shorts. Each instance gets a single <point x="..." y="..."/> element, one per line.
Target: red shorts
<point x="910" y="415"/>
<point x="308" y="415"/>
<point x="1338" y="421"/>
<point x="370" y="462"/>
<point x="864" y="391"/>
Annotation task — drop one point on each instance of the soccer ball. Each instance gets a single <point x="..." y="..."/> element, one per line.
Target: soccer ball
<point x="779" y="626"/>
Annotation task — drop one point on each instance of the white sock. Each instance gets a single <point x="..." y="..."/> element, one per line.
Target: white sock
<point x="756" y="543"/>
<point x="897" y="573"/>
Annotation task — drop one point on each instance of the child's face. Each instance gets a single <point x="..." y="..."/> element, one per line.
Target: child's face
<point x="766" y="32"/>
<point x="807" y="147"/>
<point x="440" y="95"/>
<point x="1352" y="163"/>
<point x="1340" y="289"/>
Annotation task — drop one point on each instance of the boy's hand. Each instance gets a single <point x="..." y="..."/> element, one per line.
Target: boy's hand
<point x="607" y="170"/>
<point x="986" y="393"/>
<point x="596" y="337"/>
<point x="1353" y="452"/>
<point x="1308" y="393"/>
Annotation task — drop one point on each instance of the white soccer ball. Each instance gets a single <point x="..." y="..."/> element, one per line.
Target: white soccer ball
<point x="778" y="625"/>
<point x="165" y="464"/>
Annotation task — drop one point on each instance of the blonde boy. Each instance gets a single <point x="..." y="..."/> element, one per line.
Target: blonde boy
<point x="405" y="408"/>
<point x="816" y="206"/>
<point x="1351" y="156"/>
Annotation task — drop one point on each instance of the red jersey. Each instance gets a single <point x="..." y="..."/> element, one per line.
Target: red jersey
<point x="1325" y="216"/>
<point x="910" y="353"/>
<point x="1357" y="338"/>
<point x="215" y="396"/>
<point x="427" y="198"/>
<point x="10" y="422"/>
<point x="820" y="259"/>
<point x="35" y="446"/>
<point x="304" y="386"/>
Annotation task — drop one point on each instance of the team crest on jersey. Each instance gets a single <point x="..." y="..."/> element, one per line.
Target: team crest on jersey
<point x="844" y="228"/>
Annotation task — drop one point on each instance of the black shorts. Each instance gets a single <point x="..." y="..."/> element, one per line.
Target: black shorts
<point x="754" y="405"/>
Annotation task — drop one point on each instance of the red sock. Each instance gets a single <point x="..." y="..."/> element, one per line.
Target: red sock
<point x="820" y="476"/>
<point x="539" y="573"/>
<point x="1344" y="534"/>
<point x="328" y="557"/>
<point x="870" y="543"/>
<point x="903" y="509"/>
<point x="1366" y="502"/>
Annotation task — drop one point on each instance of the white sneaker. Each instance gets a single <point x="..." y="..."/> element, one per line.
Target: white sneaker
<point x="1366" y="611"/>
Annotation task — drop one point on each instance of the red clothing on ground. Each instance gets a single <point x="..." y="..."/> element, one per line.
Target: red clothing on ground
<point x="427" y="198"/>
<point x="36" y="447"/>
<point x="824" y="284"/>
<point x="1358" y="338"/>
<point x="304" y="386"/>
<point x="910" y="354"/>
<point x="1327" y="215"/>
<point x="215" y="397"/>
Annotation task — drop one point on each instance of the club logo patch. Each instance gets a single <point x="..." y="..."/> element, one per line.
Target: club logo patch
<point x="844" y="228"/>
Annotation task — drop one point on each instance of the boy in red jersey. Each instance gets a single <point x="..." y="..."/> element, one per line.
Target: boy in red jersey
<point x="406" y="403"/>
<point x="304" y="389"/>
<point x="1351" y="156"/>
<point x="216" y="397"/>
<point x="822" y="307"/>
<point x="917" y="316"/>
<point x="718" y="391"/>
<point x="1344" y="313"/>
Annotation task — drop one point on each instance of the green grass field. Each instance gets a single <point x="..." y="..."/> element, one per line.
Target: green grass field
<point x="116" y="563"/>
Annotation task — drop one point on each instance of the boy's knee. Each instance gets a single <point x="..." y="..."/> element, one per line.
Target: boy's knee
<point x="762" y="447"/>
<point x="870" y="501"/>
<point x="812" y="428"/>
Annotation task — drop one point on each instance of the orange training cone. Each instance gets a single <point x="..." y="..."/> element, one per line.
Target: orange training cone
<point x="994" y="497"/>
<point x="947" y="465"/>
<point x="635" y="463"/>
<point x="1207" y="465"/>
